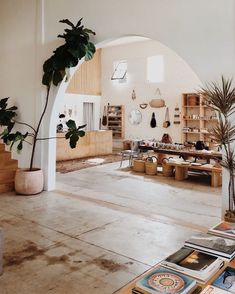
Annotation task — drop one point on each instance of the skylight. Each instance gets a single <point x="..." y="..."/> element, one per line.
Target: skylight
<point x="155" y="69"/>
<point x="120" y="70"/>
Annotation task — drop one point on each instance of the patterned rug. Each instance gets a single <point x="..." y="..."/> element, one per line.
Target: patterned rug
<point x="67" y="166"/>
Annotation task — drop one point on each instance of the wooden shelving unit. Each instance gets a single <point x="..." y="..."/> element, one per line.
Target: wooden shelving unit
<point x="197" y="118"/>
<point x="115" y="116"/>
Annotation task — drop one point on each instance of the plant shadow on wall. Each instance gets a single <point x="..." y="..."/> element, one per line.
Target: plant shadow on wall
<point x="77" y="46"/>
<point x="221" y="98"/>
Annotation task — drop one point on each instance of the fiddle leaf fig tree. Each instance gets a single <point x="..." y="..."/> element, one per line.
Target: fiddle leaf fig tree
<point x="77" y="45"/>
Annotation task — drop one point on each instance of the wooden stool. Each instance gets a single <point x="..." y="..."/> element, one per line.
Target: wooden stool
<point x="181" y="172"/>
<point x="216" y="178"/>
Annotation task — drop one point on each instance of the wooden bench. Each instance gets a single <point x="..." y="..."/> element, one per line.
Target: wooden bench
<point x="181" y="171"/>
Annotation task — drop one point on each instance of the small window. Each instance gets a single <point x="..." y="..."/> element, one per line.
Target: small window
<point x="120" y="71"/>
<point x="155" y="69"/>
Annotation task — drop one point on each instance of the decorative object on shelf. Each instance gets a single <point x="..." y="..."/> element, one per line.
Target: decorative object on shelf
<point x="220" y="97"/>
<point x="104" y="118"/>
<point x="115" y="120"/>
<point x="166" y="122"/>
<point x="70" y="111"/>
<point x="177" y="115"/>
<point x="76" y="46"/>
<point x="153" y="122"/>
<point x="166" y="138"/>
<point x="135" y="117"/>
<point x="133" y="95"/>
<point x="157" y="102"/>
<point x="193" y="99"/>
<point x="143" y="105"/>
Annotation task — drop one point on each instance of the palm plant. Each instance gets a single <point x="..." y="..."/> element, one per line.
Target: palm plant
<point x="221" y="98"/>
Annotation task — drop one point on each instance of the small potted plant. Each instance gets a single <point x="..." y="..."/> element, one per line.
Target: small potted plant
<point x="77" y="46"/>
<point x="221" y="98"/>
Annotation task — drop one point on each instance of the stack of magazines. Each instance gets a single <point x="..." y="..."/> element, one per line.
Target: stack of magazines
<point x="163" y="280"/>
<point x="191" y="262"/>
<point x="215" y="245"/>
<point x="200" y="261"/>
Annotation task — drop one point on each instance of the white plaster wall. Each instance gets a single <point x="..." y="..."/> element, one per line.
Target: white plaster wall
<point x="202" y="32"/>
<point x="75" y="101"/>
<point x="178" y="78"/>
<point x="18" y="60"/>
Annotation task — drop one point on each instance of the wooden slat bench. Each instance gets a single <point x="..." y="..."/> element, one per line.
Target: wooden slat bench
<point x="181" y="171"/>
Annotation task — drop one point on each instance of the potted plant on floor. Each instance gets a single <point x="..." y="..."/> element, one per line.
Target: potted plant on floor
<point x="77" y="45"/>
<point x="221" y="98"/>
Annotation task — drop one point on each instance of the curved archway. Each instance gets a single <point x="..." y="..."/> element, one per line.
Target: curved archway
<point x="49" y="147"/>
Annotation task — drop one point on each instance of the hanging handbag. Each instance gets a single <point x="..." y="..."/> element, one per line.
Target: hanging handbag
<point x="153" y="122"/>
<point x="157" y="102"/>
<point x="166" y="122"/>
<point x="104" y="118"/>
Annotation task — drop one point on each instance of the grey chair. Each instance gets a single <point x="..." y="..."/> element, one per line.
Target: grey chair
<point x="131" y="153"/>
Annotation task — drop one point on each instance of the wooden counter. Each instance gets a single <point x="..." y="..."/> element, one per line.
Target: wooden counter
<point x="94" y="143"/>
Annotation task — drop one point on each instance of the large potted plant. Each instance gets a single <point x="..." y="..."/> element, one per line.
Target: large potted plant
<point x="221" y="98"/>
<point x="77" y="45"/>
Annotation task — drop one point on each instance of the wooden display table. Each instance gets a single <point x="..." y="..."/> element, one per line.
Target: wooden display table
<point x="181" y="171"/>
<point x="127" y="289"/>
<point x="191" y="153"/>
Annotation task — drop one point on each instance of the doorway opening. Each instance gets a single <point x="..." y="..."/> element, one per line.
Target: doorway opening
<point x="138" y="86"/>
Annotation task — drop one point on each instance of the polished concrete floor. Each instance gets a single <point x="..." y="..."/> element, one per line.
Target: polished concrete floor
<point x="101" y="228"/>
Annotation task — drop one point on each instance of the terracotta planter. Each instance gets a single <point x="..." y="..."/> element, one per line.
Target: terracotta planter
<point x="29" y="182"/>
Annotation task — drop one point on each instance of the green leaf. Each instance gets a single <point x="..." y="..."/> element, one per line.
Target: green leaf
<point x="88" y="31"/>
<point x="47" y="78"/>
<point x="81" y="127"/>
<point x="48" y="65"/>
<point x="57" y="77"/>
<point x="3" y="103"/>
<point x="67" y="135"/>
<point x="90" y="51"/>
<point x="71" y="124"/>
<point x="81" y="133"/>
<point x="79" y="22"/>
<point x="13" y="108"/>
<point x="73" y="140"/>
<point x="68" y="22"/>
<point x="20" y="146"/>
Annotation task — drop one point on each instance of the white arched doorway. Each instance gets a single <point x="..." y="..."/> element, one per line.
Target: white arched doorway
<point x="49" y="148"/>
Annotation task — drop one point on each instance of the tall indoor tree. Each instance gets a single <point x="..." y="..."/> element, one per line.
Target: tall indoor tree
<point x="77" y="45"/>
<point x="220" y="96"/>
